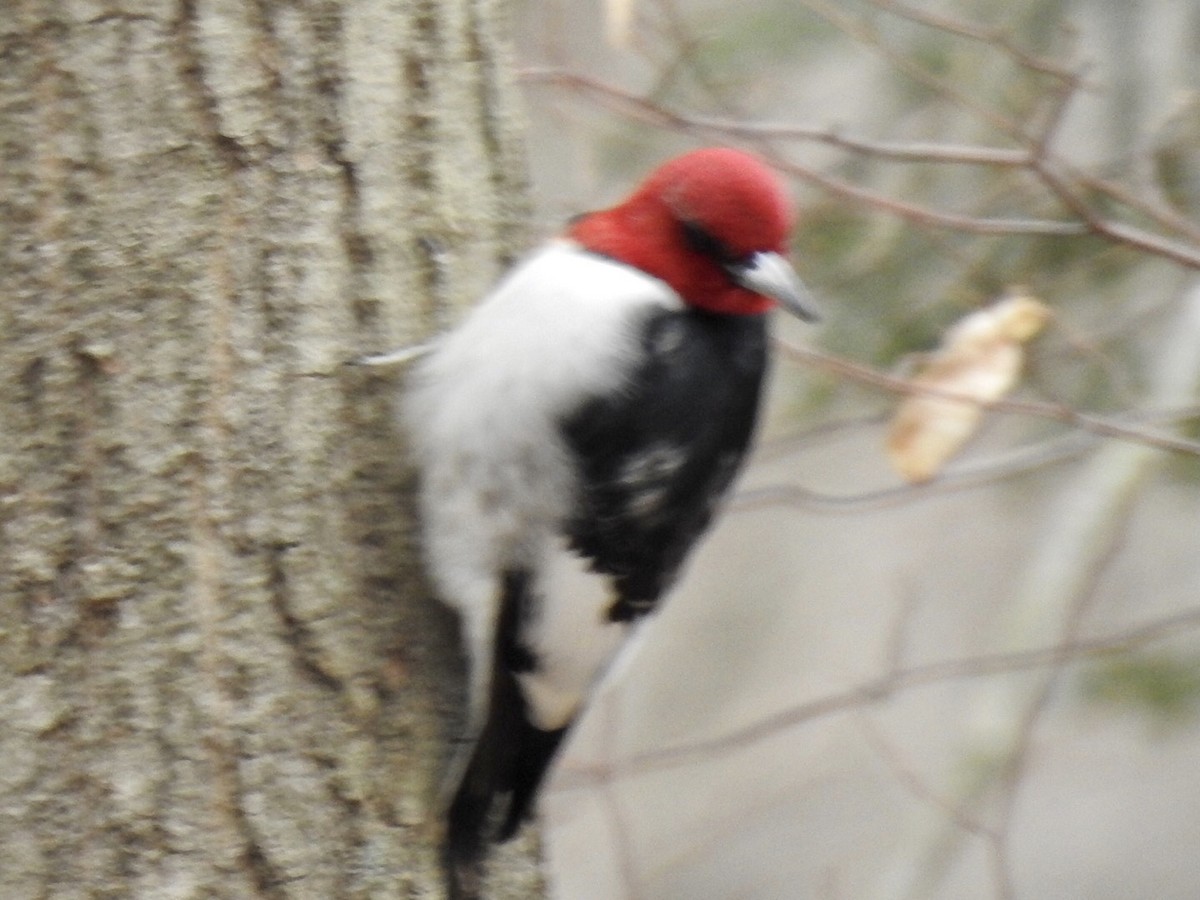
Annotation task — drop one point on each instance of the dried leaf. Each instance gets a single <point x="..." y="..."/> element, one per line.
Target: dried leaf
<point x="979" y="360"/>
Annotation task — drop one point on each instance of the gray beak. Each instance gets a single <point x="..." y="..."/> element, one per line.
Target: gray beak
<point x="772" y="276"/>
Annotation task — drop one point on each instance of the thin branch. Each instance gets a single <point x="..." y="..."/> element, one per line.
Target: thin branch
<point x="915" y="71"/>
<point x="906" y="151"/>
<point x="1160" y="212"/>
<point x="1057" y="412"/>
<point x="914" y="151"/>
<point x="917" y="786"/>
<point x="1059" y="178"/>
<point x="810" y="437"/>
<point x="955" y="478"/>
<point x="643" y="110"/>
<point x="880" y="689"/>
<point x="924" y="216"/>
<point x="960" y="478"/>
<point x="1045" y="167"/>
<point x="1060" y="100"/>
<point x="1056" y="177"/>
<point x="984" y="34"/>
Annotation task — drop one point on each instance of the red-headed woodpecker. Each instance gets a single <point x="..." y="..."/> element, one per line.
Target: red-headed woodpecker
<point x="574" y="436"/>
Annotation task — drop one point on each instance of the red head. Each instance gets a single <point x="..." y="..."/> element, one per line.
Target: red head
<point x="712" y="224"/>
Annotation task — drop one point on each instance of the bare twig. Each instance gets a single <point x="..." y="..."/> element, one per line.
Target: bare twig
<point x="1058" y="102"/>
<point x="918" y="786"/>
<point x="1159" y="211"/>
<point x="1058" y="412"/>
<point x="879" y="689"/>
<point x="644" y="110"/>
<point x="918" y="73"/>
<point x="984" y="34"/>
<point x="1058" y="178"/>
<point x="642" y="106"/>
<point x="810" y="437"/>
<point x="920" y="215"/>
<point x="1063" y="182"/>
<point x="959" y="478"/>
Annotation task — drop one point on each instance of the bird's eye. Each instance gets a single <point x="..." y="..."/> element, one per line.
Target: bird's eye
<point x="702" y="241"/>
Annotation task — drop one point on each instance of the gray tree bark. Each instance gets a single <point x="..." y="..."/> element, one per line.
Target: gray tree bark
<point x="220" y="674"/>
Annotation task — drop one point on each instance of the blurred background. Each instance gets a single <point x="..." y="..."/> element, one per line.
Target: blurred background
<point x="987" y="685"/>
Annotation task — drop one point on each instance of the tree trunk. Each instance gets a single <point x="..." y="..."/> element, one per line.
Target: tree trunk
<point x="220" y="672"/>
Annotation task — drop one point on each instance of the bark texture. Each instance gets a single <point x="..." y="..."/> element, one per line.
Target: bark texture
<point x="220" y="674"/>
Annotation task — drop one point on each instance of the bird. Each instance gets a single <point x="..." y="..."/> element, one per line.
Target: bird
<point x="573" y="437"/>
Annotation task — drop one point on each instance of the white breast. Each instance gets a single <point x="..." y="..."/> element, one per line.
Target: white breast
<point x="483" y="412"/>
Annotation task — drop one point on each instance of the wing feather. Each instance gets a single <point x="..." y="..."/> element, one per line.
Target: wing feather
<point x="656" y="459"/>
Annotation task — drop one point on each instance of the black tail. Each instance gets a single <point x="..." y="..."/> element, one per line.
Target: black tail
<point x="509" y="760"/>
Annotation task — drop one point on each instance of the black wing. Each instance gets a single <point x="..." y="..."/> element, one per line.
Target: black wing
<point x="656" y="459"/>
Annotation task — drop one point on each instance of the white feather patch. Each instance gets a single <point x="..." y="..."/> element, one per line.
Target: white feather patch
<point x="570" y="635"/>
<point x="483" y="412"/>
